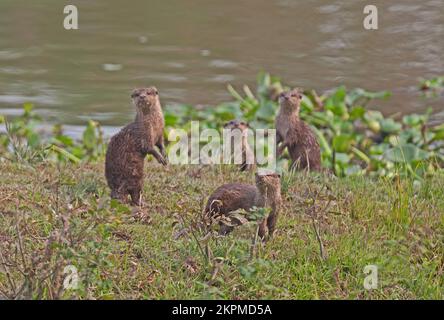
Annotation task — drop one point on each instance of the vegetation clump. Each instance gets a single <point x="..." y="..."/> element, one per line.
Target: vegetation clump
<point x="384" y="207"/>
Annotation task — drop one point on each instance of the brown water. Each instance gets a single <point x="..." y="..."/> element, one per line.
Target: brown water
<point x="192" y="49"/>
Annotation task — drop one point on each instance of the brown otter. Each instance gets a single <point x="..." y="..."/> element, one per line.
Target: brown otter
<point x="234" y="196"/>
<point x="246" y="152"/>
<point x="128" y="148"/>
<point x="295" y="134"/>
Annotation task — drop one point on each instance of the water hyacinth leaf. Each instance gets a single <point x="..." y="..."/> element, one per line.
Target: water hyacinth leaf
<point x="65" y="140"/>
<point x="405" y="154"/>
<point x="249" y="93"/>
<point x="33" y="139"/>
<point x="413" y="120"/>
<point x="336" y="103"/>
<point x="395" y="140"/>
<point x="264" y="79"/>
<point x="379" y="149"/>
<point x="359" y="94"/>
<point x="354" y="170"/>
<point x="342" y="158"/>
<point x="357" y="112"/>
<point x="439" y="133"/>
<point x="170" y="119"/>
<point x="27" y="108"/>
<point x="89" y="135"/>
<point x="373" y="115"/>
<point x="228" y="111"/>
<point x="322" y="142"/>
<point x="307" y="104"/>
<point x="361" y="155"/>
<point x="266" y="111"/>
<point x="390" y="126"/>
<point x="374" y="125"/>
<point x="338" y="109"/>
<point x="65" y="153"/>
<point x="342" y="143"/>
<point x="225" y="113"/>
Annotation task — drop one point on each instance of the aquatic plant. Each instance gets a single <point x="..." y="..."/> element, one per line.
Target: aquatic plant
<point x="354" y="139"/>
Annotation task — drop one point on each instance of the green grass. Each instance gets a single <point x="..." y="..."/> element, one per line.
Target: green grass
<point x="397" y="225"/>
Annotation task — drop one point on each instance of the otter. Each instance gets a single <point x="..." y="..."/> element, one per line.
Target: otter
<point x="234" y="196"/>
<point x="295" y="134"/>
<point x="248" y="163"/>
<point x="127" y="149"/>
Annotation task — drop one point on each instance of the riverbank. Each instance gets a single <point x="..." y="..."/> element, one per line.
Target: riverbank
<point x="58" y="215"/>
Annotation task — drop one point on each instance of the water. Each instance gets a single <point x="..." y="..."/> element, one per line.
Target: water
<point x="192" y="49"/>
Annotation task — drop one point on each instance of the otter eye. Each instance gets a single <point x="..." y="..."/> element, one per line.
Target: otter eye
<point x="157" y="93"/>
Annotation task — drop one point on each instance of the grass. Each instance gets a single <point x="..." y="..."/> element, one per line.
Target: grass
<point x="57" y="215"/>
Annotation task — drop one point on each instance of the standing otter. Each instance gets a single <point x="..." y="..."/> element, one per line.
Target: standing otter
<point x="234" y="196"/>
<point x="247" y="154"/>
<point x="295" y="134"/>
<point x="128" y="148"/>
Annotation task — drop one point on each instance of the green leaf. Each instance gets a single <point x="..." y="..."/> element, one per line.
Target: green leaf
<point x="357" y="113"/>
<point x="390" y="126"/>
<point x="266" y="111"/>
<point x="89" y="135"/>
<point x="342" y="158"/>
<point x="405" y="154"/>
<point x="65" y="153"/>
<point x="342" y="142"/>
<point x="27" y="108"/>
<point x="413" y="120"/>
<point x="170" y="119"/>
<point x="67" y="141"/>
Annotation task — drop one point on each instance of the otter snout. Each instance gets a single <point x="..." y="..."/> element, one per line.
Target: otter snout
<point x="284" y="96"/>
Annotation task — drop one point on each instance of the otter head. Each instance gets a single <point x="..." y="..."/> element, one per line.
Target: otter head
<point x="236" y="124"/>
<point x="145" y="99"/>
<point x="291" y="100"/>
<point x="268" y="183"/>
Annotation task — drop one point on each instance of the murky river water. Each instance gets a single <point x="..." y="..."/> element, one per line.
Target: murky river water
<point x="192" y="49"/>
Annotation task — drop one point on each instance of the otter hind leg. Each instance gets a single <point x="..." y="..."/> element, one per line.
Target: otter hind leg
<point x="271" y="223"/>
<point x="224" y="229"/>
<point x="262" y="233"/>
<point x="136" y="197"/>
<point x="119" y="195"/>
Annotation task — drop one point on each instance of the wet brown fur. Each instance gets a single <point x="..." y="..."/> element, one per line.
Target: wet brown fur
<point x="295" y="135"/>
<point x="247" y="154"/>
<point x="234" y="196"/>
<point x="127" y="149"/>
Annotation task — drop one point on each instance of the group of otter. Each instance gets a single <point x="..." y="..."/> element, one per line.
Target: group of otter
<point x="124" y="165"/>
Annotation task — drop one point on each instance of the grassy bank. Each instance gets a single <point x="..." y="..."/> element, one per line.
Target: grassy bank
<point x="54" y="215"/>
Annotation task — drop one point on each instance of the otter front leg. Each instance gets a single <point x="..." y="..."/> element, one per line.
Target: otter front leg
<point x="162" y="149"/>
<point x="156" y="155"/>
<point x="281" y="148"/>
<point x="262" y="232"/>
<point x="119" y="195"/>
<point x="271" y="223"/>
<point x="136" y="197"/>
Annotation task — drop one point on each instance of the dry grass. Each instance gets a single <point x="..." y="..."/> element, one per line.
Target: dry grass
<point x="52" y="216"/>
